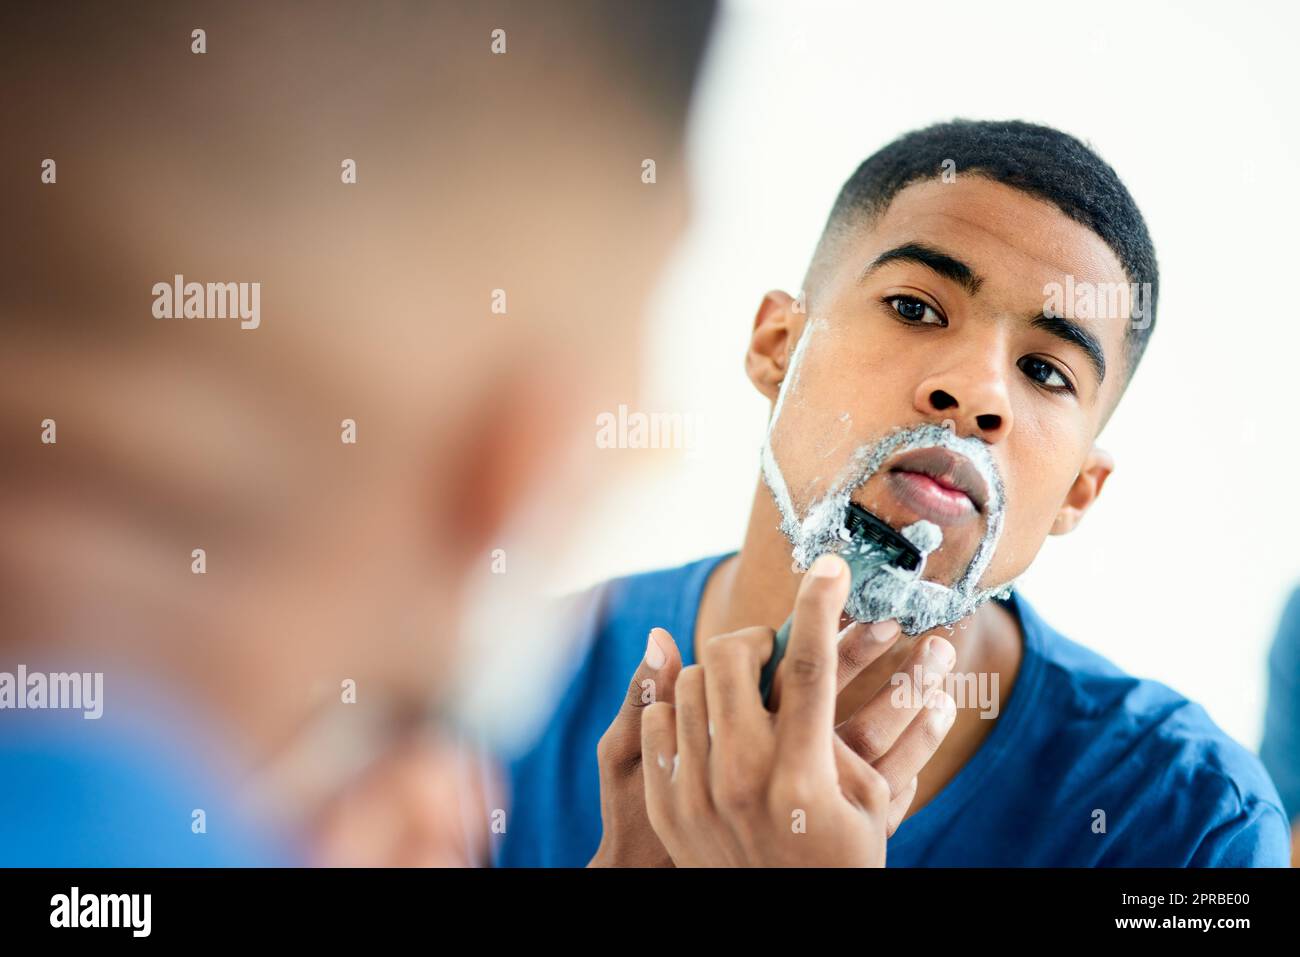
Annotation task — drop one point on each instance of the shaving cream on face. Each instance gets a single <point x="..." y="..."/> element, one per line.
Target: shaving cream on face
<point x="888" y="591"/>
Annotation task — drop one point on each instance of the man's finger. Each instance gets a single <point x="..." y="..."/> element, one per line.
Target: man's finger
<point x="919" y="741"/>
<point x="805" y="724"/>
<point x="876" y="726"/>
<point x="732" y="664"/>
<point x="654" y="680"/>
<point x="690" y="771"/>
<point x="858" y="645"/>
<point x="659" y="745"/>
<point x="898" y="807"/>
<point x="859" y="781"/>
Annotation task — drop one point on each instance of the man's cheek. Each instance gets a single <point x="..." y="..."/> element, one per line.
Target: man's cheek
<point x="813" y="455"/>
<point x="1022" y="537"/>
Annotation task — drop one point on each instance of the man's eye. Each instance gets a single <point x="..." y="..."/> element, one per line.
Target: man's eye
<point x="914" y="310"/>
<point x="1045" y="374"/>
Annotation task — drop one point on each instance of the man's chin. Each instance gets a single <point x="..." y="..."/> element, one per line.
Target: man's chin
<point x="919" y="605"/>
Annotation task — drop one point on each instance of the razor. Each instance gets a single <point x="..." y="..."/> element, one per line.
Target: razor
<point x="870" y="544"/>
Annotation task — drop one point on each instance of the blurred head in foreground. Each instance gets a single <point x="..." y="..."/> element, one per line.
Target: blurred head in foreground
<point x="422" y="235"/>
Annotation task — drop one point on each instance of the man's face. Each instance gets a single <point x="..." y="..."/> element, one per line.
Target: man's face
<point x="898" y="336"/>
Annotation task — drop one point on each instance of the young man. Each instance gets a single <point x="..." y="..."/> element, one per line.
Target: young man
<point x="959" y="347"/>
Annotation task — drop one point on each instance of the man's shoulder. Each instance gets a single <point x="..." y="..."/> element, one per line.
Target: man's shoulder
<point x="1142" y="729"/>
<point x="621" y="611"/>
<point x="653" y="590"/>
<point x="556" y="816"/>
<point x="1087" y="682"/>
<point x="612" y="620"/>
<point x="1096" y="689"/>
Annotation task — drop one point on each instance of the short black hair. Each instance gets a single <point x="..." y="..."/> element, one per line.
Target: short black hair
<point x="1038" y="160"/>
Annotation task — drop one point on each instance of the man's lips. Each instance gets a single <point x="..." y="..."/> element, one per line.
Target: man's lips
<point x="930" y="500"/>
<point x="938" y="484"/>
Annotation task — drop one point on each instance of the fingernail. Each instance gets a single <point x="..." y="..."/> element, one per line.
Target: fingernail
<point x="829" y="565"/>
<point x="662" y="762"/>
<point x="883" y="631"/>
<point x="655" y="656"/>
<point x="942" y="708"/>
<point x="943" y="650"/>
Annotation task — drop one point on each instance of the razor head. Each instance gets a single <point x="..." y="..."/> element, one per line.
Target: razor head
<point x="862" y="526"/>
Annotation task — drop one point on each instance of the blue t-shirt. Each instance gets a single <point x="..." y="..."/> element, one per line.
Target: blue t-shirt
<point x="1280" y="749"/>
<point x="123" y="790"/>
<point x="1076" y="736"/>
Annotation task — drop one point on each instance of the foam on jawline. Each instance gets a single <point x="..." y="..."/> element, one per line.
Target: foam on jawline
<point x="887" y="591"/>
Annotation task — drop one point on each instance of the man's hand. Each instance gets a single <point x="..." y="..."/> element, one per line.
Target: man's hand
<point x="627" y="839"/>
<point x="729" y="783"/>
<point x="885" y="734"/>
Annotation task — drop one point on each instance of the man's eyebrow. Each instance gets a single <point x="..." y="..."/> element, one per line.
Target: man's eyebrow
<point x="1070" y="331"/>
<point x="950" y="267"/>
<point x="936" y="260"/>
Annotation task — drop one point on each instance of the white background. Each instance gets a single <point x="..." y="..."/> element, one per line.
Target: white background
<point x="1180" y="570"/>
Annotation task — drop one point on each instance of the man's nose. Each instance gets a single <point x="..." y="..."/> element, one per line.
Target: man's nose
<point x="973" y="393"/>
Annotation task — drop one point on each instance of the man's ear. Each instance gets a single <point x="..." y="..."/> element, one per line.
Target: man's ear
<point x="1096" y="468"/>
<point x="777" y="326"/>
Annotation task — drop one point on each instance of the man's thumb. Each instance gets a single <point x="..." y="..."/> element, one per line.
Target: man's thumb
<point x="653" y="680"/>
<point x="655" y="676"/>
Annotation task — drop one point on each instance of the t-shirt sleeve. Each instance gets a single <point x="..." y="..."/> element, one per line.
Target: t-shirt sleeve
<point x="1280" y="748"/>
<point x="1257" y="837"/>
